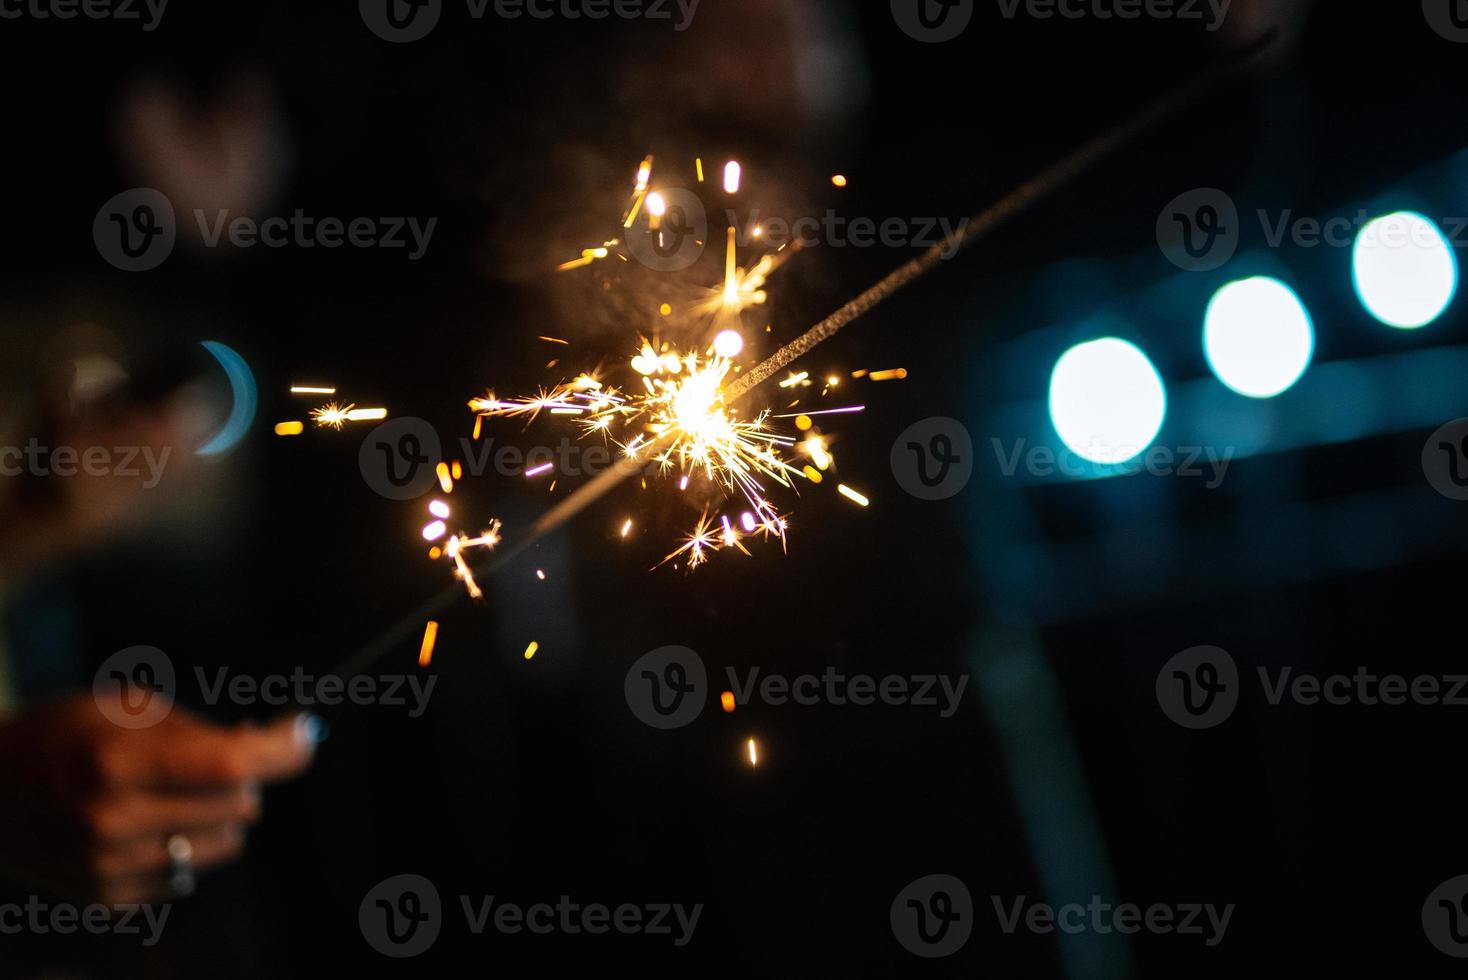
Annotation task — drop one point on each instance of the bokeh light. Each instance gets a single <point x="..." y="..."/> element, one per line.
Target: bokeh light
<point x="1107" y="401"/>
<point x="1405" y="271"/>
<point x="1258" y="337"/>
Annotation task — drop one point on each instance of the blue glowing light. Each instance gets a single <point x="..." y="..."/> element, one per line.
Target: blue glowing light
<point x="244" y="397"/>
<point x="1107" y="401"/>
<point x="1405" y="271"/>
<point x="1258" y="337"/>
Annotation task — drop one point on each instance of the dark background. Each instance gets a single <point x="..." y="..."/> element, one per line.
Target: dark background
<point x="1059" y="778"/>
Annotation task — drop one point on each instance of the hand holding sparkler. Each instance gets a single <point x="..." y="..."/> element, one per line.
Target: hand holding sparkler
<point x="88" y="808"/>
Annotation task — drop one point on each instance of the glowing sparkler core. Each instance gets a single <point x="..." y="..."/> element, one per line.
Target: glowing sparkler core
<point x="679" y="422"/>
<point x="334" y="416"/>
<point x="697" y="432"/>
<point x="330" y="415"/>
<point x="681" y="417"/>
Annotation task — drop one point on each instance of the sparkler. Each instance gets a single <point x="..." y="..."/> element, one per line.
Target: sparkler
<point x="1042" y="186"/>
<point x="335" y="416"/>
<point x="673" y="415"/>
<point x="460" y="543"/>
<point x="683" y="425"/>
<point x="332" y="415"/>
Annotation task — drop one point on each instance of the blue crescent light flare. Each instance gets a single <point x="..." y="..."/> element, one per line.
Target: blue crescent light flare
<point x="244" y="398"/>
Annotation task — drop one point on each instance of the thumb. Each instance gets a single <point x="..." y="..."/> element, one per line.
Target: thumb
<point x="194" y="753"/>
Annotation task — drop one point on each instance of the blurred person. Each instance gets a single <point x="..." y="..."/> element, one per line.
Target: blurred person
<point x="90" y="810"/>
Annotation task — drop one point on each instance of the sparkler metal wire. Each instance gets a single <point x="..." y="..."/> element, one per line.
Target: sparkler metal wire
<point x="1043" y="185"/>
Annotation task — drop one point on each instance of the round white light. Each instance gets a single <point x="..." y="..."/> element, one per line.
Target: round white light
<point x="1258" y="337"/>
<point x="1107" y="401"/>
<point x="1405" y="271"/>
<point x="728" y="344"/>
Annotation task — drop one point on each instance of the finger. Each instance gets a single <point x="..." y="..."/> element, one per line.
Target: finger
<point x="123" y="817"/>
<point x="148" y="855"/>
<point x="185" y="752"/>
<point x="134" y="890"/>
